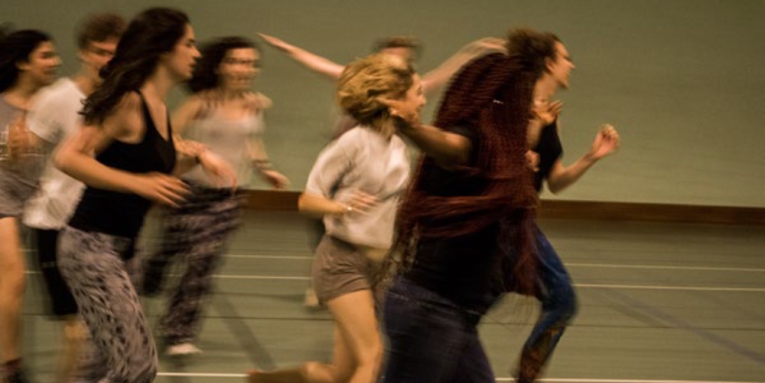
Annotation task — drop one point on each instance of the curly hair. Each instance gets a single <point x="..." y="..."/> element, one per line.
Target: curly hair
<point x="493" y="95"/>
<point x="365" y="81"/>
<point x="206" y="71"/>
<point x="149" y="35"/>
<point x="15" y="48"/>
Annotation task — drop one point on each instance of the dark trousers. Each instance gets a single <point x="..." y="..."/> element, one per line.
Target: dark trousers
<point x="431" y="339"/>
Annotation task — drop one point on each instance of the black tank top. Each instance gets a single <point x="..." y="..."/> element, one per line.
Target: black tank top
<point x="122" y="214"/>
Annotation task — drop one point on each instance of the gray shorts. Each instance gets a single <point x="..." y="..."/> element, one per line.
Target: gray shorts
<point x="340" y="268"/>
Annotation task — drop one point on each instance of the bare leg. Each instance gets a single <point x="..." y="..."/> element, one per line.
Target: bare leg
<point x="357" y="350"/>
<point x="12" y="281"/>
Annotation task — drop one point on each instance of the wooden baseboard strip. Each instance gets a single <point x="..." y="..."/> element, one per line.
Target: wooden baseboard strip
<point x="267" y="200"/>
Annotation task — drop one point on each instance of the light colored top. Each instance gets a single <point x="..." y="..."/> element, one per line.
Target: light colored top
<point x="18" y="176"/>
<point x="229" y="139"/>
<point x="362" y="160"/>
<point x="55" y="117"/>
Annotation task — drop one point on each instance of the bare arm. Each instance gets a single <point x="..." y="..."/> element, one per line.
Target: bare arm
<point x="76" y="157"/>
<point x="447" y="149"/>
<point x="310" y="60"/>
<point x="606" y="142"/>
<point x="262" y="164"/>
<point x="317" y="205"/>
<point x="436" y="78"/>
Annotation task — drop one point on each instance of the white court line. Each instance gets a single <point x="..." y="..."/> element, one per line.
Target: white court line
<point x="581" y="285"/>
<point x="679" y="288"/>
<point x="570" y="264"/>
<point x="501" y="379"/>
<point x="701" y="268"/>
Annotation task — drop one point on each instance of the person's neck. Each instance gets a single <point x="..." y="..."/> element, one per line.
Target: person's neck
<point x="230" y="94"/>
<point x="545" y="88"/>
<point x="85" y="83"/>
<point x="158" y="85"/>
<point x="20" y="95"/>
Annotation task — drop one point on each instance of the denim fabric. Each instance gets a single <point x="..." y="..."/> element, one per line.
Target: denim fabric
<point x="431" y="339"/>
<point x="559" y="305"/>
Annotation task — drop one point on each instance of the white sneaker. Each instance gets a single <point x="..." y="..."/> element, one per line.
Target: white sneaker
<point x="183" y="349"/>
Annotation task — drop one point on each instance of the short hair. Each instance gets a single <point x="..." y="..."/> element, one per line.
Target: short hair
<point x="532" y="48"/>
<point x="398" y="42"/>
<point x="100" y="27"/>
<point x="365" y="80"/>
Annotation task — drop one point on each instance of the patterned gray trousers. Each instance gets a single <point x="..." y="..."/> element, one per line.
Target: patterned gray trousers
<point x="196" y="233"/>
<point x="122" y="348"/>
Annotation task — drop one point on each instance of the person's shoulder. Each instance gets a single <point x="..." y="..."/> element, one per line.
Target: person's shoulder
<point x="63" y="91"/>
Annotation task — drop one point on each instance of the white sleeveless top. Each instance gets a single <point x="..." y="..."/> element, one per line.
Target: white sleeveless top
<point x="228" y="139"/>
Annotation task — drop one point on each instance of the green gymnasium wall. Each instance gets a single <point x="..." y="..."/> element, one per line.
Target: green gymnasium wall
<point x="680" y="79"/>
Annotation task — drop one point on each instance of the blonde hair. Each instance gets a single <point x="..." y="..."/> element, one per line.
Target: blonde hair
<point x="366" y="81"/>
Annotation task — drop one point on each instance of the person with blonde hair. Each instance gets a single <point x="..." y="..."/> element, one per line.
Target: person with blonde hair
<point x="355" y="186"/>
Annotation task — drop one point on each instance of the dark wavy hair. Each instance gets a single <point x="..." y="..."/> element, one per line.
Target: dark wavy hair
<point x="492" y="95"/>
<point x="206" y="71"/>
<point x="15" y="48"/>
<point x="149" y="35"/>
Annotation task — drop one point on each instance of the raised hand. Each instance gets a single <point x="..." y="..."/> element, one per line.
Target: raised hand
<point x="405" y="114"/>
<point x="606" y="142"/>
<point x="547" y="112"/>
<point x="275" y="42"/>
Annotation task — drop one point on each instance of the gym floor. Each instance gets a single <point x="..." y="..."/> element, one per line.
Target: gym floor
<point x="658" y="302"/>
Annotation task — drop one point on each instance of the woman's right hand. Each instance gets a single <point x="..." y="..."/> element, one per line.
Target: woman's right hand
<point x="359" y="202"/>
<point x="161" y="188"/>
<point x="275" y="42"/>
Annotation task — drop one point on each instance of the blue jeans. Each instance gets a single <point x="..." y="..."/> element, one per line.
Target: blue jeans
<point x="431" y="339"/>
<point x="559" y="305"/>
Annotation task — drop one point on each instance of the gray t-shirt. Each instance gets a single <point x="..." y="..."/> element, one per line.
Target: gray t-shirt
<point x="55" y="117"/>
<point x="18" y="177"/>
<point x="362" y="160"/>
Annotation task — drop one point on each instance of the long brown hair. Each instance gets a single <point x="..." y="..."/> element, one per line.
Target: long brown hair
<point x="152" y="33"/>
<point x="493" y="96"/>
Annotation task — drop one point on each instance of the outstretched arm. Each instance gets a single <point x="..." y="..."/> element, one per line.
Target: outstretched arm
<point x="436" y="78"/>
<point x="314" y="62"/>
<point x="560" y="177"/>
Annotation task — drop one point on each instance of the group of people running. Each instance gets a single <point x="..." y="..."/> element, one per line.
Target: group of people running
<point x="425" y="249"/>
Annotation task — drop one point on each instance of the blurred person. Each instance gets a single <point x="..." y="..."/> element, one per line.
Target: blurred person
<point x="55" y="117"/>
<point x="28" y="62"/>
<point x="126" y="154"/>
<point x="226" y="116"/>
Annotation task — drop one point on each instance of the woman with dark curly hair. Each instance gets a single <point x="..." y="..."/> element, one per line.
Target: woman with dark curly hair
<point x="227" y="117"/>
<point x="28" y="62"/>
<point x="465" y="227"/>
<point x="125" y="154"/>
